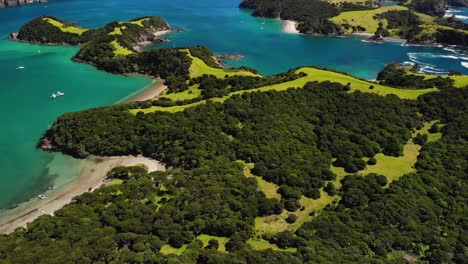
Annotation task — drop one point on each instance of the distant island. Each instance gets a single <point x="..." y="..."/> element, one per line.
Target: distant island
<point x="12" y="3"/>
<point x="418" y="22"/>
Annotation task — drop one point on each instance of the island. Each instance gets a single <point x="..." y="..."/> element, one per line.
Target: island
<point x="416" y="22"/>
<point x="306" y="166"/>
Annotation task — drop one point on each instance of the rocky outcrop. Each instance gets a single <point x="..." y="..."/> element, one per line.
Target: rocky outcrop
<point x="10" y="3"/>
<point x="430" y="7"/>
<point x="463" y="3"/>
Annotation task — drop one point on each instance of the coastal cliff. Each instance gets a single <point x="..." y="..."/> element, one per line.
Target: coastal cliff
<point x="11" y="3"/>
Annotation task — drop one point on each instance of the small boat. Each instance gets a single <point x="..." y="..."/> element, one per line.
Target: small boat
<point x="20" y="68"/>
<point x="41" y="196"/>
<point x="57" y="94"/>
<point x="53" y="187"/>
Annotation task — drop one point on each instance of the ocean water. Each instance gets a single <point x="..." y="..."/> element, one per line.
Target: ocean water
<point x="26" y="110"/>
<point x="460" y="13"/>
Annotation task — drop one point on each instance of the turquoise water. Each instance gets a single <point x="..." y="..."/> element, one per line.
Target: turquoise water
<point x="26" y="110"/>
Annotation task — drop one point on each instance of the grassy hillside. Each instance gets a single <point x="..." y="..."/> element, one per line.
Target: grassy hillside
<point x="367" y="19"/>
<point x="64" y="27"/>
<point x="199" y="68"/>
<point x="312" y="74"/>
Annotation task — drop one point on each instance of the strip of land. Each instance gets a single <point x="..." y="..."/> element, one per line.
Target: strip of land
<point x="56" y="199"/>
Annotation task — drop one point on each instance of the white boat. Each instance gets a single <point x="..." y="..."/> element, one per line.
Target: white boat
<point x="57" y="94"/>
<point x="52" y="187"/>
<point x="20" y="68"/>
<point x="41" y="196"/>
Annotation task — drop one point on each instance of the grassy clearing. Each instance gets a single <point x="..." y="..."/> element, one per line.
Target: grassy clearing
<point x="65" y="28"/>
<point x="221" y="240"/>
<point x="395" y="167"/>
<point x="313" y="74"/>
<point x="261" y="244"/>
<point x="199" y="68"/>
<point x="117" y="30"/>
<point x="168" y="250"/>
<point x="356" y="84"/>
<point x="115" y="182"/>
<point x="269" y="189"/>
<point x="119" y="49"/>
<point x="191" y="93"/>
<point x="365" y="18"/>
<point x="139" y="22"/>
<point x="274" y="224"/>
<point x="431" y="137"/>
<point x="277" y="223"/>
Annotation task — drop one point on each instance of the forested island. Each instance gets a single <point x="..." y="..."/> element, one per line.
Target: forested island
<point x="306" y="166"/>
<point x="418" y="22"/>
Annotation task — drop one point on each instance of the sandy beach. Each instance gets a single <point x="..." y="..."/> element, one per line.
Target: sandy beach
<point x="90" y="180"/>
<point x="151" y="91"/>
<point x="289" y="26"/>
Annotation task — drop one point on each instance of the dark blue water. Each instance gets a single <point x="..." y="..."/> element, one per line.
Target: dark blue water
<point x="460" y="13"/>
<point x="26" y="111"/>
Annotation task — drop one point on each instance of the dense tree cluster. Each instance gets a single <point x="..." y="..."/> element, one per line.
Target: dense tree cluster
<point x="291" y="136"/>
<point x="421" y="216"/>
<point x="212" y="86"/>
<point x="397" y="75"/>
<point x="398" y="19"/>
<point x="402" y="21"/>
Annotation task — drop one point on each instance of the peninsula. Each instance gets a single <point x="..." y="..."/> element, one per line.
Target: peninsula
<point x="416" y="22"/>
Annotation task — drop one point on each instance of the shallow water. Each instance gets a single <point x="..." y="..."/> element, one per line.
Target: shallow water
<point x="26" y="110"/>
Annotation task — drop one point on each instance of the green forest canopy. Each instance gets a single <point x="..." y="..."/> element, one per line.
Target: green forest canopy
<point x="291" y="137"/>
<point x="205" y="209"/>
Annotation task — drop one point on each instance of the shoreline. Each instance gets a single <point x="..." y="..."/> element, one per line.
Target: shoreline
<point x="140" y="46"/>
<point x="289" y="26"/>
<point x="153" y="90"/>
<point x="89" y="180"/>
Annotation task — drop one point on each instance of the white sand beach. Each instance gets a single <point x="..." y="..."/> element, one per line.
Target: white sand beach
<point x="90" y="180"/>
<point x="289" y="26"/>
